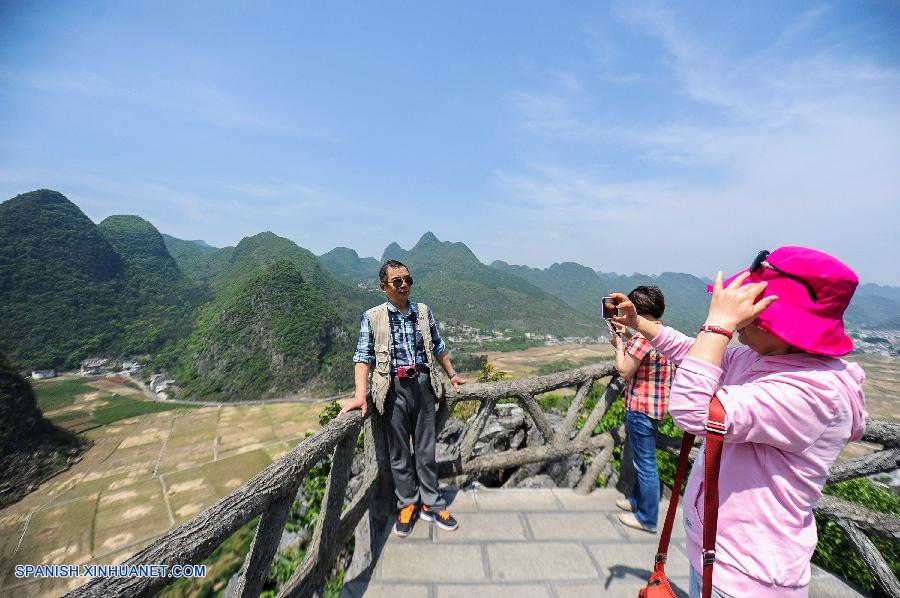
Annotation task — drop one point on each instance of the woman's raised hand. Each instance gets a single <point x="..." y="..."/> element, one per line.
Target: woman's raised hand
<point x="736" y="305"/>
<point x="628" y="312"/>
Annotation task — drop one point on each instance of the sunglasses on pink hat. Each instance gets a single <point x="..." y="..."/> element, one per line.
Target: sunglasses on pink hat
<point x="761" y="262"/>
<point x="810" y="319"/>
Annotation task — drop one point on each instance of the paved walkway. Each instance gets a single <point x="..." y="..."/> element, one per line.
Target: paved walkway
<point x="532" y="543"/>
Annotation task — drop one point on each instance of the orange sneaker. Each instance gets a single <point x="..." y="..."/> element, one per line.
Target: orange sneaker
<point x="405" y="521"/>
<point x="443" y="519"/>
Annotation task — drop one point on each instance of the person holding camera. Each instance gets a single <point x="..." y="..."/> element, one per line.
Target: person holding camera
<point x="791" y="406"/>
<point x="648" y="376"/>
<point x="399" y="348"/>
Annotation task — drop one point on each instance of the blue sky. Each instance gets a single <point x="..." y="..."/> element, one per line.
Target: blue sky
<point x="628" y="137"/>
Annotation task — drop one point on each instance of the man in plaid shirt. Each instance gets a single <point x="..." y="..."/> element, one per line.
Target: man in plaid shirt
<point x="400" y="350"/>
<point x="648" y="377"/>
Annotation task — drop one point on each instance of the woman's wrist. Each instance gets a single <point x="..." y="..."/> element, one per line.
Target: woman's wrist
<point x="721" y="320"/>
<point x="648" y="328"/>
<point x="715" y="329"/>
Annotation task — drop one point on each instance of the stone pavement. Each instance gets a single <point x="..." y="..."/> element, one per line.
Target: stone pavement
<point x="523" y="543"/>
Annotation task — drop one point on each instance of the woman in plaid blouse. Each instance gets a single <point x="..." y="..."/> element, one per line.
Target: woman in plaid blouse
<point x="648" y="376"/>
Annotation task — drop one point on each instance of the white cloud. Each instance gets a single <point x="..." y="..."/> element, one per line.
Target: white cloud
<point x="781" y="149"/>
<point x="195" y="100"/>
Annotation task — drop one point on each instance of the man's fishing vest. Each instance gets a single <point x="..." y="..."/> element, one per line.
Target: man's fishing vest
<point x="381" y="332"/>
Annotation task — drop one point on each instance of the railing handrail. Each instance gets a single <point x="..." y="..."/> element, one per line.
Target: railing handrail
<point x="534" y="385"/>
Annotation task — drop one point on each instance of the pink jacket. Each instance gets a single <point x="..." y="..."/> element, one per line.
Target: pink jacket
<point x="788" y="417"/>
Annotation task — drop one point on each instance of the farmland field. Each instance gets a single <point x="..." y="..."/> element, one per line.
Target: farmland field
<point x="152" y="466"/>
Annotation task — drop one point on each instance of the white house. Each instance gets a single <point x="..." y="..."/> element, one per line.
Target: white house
<point x="159" y="383"/>
<point x="91" y="367"/>
<point x="131" y="366"/>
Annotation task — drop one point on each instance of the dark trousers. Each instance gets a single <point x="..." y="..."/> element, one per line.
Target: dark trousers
<point x="409" y="411"/>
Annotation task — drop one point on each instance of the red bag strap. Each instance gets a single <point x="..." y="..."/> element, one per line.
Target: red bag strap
<point x="715" y="438"/>
<point x="687" y="441"/>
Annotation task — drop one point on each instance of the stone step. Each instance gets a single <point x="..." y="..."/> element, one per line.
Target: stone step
<point x="534" y="542"/>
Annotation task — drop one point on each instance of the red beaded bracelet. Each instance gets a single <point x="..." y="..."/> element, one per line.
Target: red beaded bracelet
<point x="717" y="330"/>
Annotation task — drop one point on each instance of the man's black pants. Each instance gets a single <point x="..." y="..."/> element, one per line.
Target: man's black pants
<point x="409" y="411"/>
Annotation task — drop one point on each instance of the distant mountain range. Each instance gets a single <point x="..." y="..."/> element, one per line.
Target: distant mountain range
<point x="581" y="287"/>
<point x="268" y="316"/>
<point x="462" y="290"/>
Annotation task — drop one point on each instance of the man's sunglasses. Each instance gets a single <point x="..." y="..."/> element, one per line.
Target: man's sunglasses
<point x="398" y="281"/>
<point x="761" y="262"/>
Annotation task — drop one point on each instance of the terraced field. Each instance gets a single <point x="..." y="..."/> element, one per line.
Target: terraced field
<point x="521" y="364"/>
<point x="144" y="475"/>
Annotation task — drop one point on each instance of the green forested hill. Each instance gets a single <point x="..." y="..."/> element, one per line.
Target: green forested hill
<point x="198" y="260"/>
<point x="138" y="241"/>
<point x="264" y="249"/>
<point x="346" y="263"/>
<point x="278" y="322"/>
<point x="577" y="285"/>
<point x="581" y="287"/>
<point x="61" y="283"/>
<point x="70" y="289"/>
<point x="157" y="292"/>
<point x="461" y="289"/>
<point x="275" y="334"/>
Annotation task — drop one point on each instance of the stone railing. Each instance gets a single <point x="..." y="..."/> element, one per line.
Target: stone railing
<point x="368" y="512"/>
<point x="856" y="521"/>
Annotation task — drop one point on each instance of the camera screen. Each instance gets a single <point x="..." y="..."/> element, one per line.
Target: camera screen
<point x="609" y="308"/>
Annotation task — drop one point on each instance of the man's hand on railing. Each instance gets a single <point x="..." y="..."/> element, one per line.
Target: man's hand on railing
<point x="358" y="402"/>
<point x="456" y="381"/>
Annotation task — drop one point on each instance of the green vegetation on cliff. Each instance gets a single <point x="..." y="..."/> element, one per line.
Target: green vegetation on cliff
<point x="61" y="282"/>
<point x="159" y="298"/>
<point x="198" y="260"/>
<point x="346" y="263"/>
<point x="274" y="334"/>
<point x="260" y="251"/>
<point x="31" y="448"/>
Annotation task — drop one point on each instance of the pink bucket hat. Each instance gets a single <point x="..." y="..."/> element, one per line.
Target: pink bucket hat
<point x="814" y="289"/>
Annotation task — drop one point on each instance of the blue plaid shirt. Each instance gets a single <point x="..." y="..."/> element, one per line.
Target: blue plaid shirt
<point x="407" y="344"/>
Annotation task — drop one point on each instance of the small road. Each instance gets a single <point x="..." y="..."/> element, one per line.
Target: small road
<point x="290" y="398"/>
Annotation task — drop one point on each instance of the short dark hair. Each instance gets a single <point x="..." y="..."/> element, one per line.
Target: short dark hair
<point x="648" y="300"/>
<point x="382" y="272"/>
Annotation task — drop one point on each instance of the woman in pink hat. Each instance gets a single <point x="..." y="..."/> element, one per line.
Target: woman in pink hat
<point x="791" y="406"/>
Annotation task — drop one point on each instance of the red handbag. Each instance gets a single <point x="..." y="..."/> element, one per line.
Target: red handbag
<point x="658" y="585"/>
